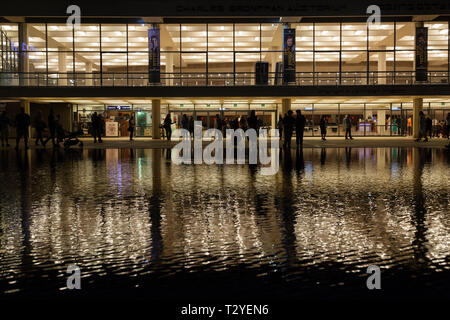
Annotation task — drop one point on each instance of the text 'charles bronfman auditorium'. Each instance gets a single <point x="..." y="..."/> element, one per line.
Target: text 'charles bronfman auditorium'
<point x="225" y="58"/>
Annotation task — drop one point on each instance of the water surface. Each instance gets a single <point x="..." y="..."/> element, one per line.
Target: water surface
<point x="138" y="225"/>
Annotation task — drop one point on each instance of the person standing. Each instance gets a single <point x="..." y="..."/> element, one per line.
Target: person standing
<point x="288" y="125"/>
<point x="131" y="125"/>
<point x="4" y="128"/>
<point x="300" y="122"/>
<point x="448" y="125"/>
<point x="280" y="126"/>
<point x="96" y="128"/>
<point x="323" y="127"/>
<point x="348" y="127"/>
<point x="166" y="125"/>
<point x="422" y="127"/>
<point x="22" y="125"/>
<point x="51" y="128"/>
<point x="428" y="126"/>
<point x="39" y="126"/>
<point x="253" y="121"/>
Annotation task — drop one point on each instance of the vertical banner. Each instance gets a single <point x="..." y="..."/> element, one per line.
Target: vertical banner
<point x="288" y="55"/>
<point x="421" y="54"/>
<point x="154" y="56"/>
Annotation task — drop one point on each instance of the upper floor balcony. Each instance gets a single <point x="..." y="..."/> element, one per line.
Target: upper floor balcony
<point x="216" y="79"/>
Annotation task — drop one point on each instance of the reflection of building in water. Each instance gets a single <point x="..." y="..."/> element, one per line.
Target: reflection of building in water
<point x="220" y="216"/>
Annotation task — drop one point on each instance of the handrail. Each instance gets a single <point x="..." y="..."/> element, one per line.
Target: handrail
<point x="132" y="79"/>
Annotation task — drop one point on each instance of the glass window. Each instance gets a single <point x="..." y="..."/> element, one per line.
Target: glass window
<point x="327" y="37"/>
<point x="60" y="37"/>
<point x="381" y="36"/>
<point x="220" y="37"/>
<point x="87" y="38"/>
<point x="247" y="37"/>
<point x="193" y="37"/>
<point x="114" y="37"/>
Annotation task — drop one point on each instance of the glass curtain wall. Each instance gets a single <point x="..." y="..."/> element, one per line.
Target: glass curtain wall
<point x="224" y="54"/>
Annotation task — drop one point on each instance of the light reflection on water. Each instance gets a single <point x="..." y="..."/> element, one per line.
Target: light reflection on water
<point x="133" y="215"/>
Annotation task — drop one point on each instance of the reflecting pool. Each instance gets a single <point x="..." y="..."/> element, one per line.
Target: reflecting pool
<point x="138" y="225"/>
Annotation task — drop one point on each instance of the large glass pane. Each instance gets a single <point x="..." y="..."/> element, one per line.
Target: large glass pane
<point x="193" y="69"/>
<point x="137" y="37"/>
<point x="354" y="67"/>
<point x="220" y="37"/>
<point x="114" y="37"/>
<point x="247" y="37"/>
<point x="87" y="38"/>
<point x="114" y="69"/>
<point x="303" y="37"/>
<point x="327" y="36"/>
<point x="356" y="114"/>
<point x="381" y="36"/>
<point x="327" y="68"/>
<point x="404" y="37"/>
<point x="354" y="36"/>
<point x="60" y="37"/>
<point x="36" y="42"/>
<point x="193" y="37"/>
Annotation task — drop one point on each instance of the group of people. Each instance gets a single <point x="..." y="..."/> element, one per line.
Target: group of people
<point x="428" y="130"/>
<point x="22" y="123"/>
<point x="288" y="123"/>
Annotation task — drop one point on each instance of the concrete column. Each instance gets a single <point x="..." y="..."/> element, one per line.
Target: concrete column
<point x="24" y="65"/>
<point x="156" y="118"/>
<point x="382" y="66"/>
<point x="26" y="106"/>
<point x="381" y="121"/>
<point x="169" y="67"/>
<point x="417" y="107"/>
<point x="88" y="71"/>
<point x="62" y="67"/>
<point x="285" y="106"/>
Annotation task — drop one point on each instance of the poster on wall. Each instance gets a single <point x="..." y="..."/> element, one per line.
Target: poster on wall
<point x="112" y="129"/>
<point x="421" y="54"/>
<point x="154" y="56"/>
<point x="288" y="56"/>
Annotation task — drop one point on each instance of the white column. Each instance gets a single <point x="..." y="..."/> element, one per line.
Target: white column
<point x="62" y="67"/>
<point x="382" y="66"/>
<point x="381" y="121"/>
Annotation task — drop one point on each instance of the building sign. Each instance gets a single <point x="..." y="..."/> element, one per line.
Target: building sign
<point x="112" y="128"/>
<point x="119" y="108"/>
<point x="421" y="54"/>
<point x="288" y="55"/>
<point x="154" y="56"/>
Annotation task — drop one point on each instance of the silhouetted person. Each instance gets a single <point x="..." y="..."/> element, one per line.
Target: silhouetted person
<point x="448" y="125"/>
<point x="191" y="125"/>
<point x="166" y="125"/>
<point x="22" y="124"/>
<point x="243" y="123"/>
<point x="323" y="127"/>
<point x="60" y="135"/>
<point x="422" y="127"/>
<point x="300" y="122"/>
<point x="280" y="126"/>
<point x="96" y="128"/>
<point x="39" y="126"/>
<point x="51" y="128"/>
<point x="184" y="122"/>
<point x="4" y="128"/>
<point x="428" y="127"/>
<point x="253" y="121"/>
<point x="348" y="127"/>
<point x="131" y="126"/>
<point x="288" y="125"/>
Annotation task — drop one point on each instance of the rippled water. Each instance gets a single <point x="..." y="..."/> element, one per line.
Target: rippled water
<point x="137" y="224"/>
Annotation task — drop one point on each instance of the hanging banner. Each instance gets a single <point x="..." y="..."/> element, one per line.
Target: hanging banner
<point x="154" y="56"/>
<point x="288" y="55"/>
<point x="421" y="54"/>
